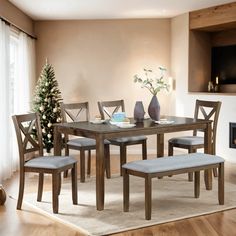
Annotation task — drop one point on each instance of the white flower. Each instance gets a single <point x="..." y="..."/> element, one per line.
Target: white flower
<point x="46" y="84"/>
<point x="58" y="119"/>
<point x="55" y="109"/>
<point x="43" y="130"/>
<point x="44" y="117"/>
<point x="49" y="135"/>
<point x="49" y="124"/>
<point x="45" y="100"/>
<point x="41" y="108"/>
<point x="151" y="81"/>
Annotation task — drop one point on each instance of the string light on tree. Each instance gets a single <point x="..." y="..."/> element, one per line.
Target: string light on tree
<point x="47" y="103"/>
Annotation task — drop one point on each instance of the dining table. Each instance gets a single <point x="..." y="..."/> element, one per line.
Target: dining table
<point x="106" y="130"/>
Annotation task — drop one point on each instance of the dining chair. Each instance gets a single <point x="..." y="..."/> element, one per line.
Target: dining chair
<point x="208" y="110"/>
<point x="30" y="145"/>
<point x="75" y="112"/>
<point x="107" y="109"/>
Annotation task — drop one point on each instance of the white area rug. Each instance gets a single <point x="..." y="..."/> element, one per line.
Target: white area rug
<point x="172" y="199"/>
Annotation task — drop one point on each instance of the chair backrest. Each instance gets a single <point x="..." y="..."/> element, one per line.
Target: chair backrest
<point x="72" y="112"/>
<point x="108" y="108"/>
<point x="208" y="110"/>
<point x="29" y="136"/>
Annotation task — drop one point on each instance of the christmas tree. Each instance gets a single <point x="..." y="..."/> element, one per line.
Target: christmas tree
<point x="47" y="103"/>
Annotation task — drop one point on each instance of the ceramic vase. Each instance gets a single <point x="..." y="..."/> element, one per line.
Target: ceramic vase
<point x="139" y="111"/>
<point x="2" y="195"/>
<point x="154" y="108"/>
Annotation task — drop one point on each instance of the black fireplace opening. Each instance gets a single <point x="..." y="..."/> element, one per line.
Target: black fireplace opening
<point x="232" y="135"/>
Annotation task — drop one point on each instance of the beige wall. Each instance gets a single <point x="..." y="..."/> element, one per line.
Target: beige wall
<point x="185" y="101"/>
<point x="97" y="59"/>
<point x="15" y="16"/>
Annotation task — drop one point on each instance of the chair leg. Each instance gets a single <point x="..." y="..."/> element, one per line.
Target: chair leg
<point x="55" y="187"/>
<point x="122" y="156"/>
<point x="74" y="184"/>
<point x="82" y="166"/>
<point x="215" y="173"/>
<point x="67" y="154"/>
<point x="89" y="163"/>
<point x="40" y="187"/>
<point x="144" y="149"/>
<point x="107" y="161"/>
<point x="148" y="197"/>
<point x="196" y="184"/>
<point x="21" y="190"/>
<point x="59" y="184"/>
<point x="190" y="174"/>
<point x="170" y="149"/>
<point x="125" y="191"/>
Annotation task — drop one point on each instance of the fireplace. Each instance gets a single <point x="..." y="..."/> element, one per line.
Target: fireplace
<point x="232" y="135"/>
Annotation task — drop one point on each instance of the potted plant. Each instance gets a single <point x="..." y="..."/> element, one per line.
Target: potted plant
<point x="154" y="83"/>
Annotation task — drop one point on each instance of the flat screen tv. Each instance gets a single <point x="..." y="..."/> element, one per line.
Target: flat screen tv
<point x="223" y="64"/>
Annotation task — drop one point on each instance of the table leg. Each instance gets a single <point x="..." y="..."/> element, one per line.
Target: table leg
<point x="160" y="145"/>
<point x="207" y="149"/>
<point x="100" y="172"/>
<point x="57" y="141"/>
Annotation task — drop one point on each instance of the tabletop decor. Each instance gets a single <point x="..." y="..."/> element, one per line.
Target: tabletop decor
<point x="154" y="83"/>
<point x="139" y="111"/>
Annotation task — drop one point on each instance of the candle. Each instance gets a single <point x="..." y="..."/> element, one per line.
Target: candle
<point x="217" y="80"/>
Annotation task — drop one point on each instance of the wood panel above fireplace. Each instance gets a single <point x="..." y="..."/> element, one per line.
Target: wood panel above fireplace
<point x="215" y="26"/>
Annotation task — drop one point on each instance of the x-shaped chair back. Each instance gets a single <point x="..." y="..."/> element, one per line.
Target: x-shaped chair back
<point x="75" y="112"/>
<point x="108" y="108"/>
<point x="208" y="110"/>
<point x="29" y="136"/>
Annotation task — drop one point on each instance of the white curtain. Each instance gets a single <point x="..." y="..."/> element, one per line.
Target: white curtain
<point x="16" y="94"/>
<point x="6" y="166"/>
<point x="25" y="76"/>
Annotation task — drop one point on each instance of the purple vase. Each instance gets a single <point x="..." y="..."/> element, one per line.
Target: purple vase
<point x="139" y="111"/>
<point x="154" y="108"/>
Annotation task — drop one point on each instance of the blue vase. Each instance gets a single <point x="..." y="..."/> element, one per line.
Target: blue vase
<point x="154" y="108"/>
<point x="139" y="111"/>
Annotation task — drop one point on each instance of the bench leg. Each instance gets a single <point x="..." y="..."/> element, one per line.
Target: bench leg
<point x="208" y="179"/>
<point x="221" y="184"/>
<point x="125" y="191"/>
<point x="196" y="184"/>
<point x="148" y="197"/>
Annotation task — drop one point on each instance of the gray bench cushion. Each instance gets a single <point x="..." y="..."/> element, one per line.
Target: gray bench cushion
<point x="173" y="163"/>
<point x="188" y="140"/>
<point x="50" y="162"/>
<point x="84" y="142"/>
<point x="128" y="139"/>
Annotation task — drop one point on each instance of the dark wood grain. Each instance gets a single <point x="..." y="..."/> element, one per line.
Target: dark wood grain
<point x="108" y="131"/>
<point x="25" y="124"/>
<point x="30" y="222"/>
<point x="107" y="109"/>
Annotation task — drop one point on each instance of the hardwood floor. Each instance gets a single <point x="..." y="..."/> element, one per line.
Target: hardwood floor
<point x="30" y="222"/>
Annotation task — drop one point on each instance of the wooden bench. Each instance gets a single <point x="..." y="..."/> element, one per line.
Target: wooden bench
<point x="166" y="166"/>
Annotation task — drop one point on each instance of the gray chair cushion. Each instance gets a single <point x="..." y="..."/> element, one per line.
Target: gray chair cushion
<point x="173" y="163"/>
<point x="188" y="140"/>
<point x="84" y="142"/>
<point x="50" y="162"/>
<point x="128" y="139"/>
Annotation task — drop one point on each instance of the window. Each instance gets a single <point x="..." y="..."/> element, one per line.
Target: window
<point x="14" y="52"/>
